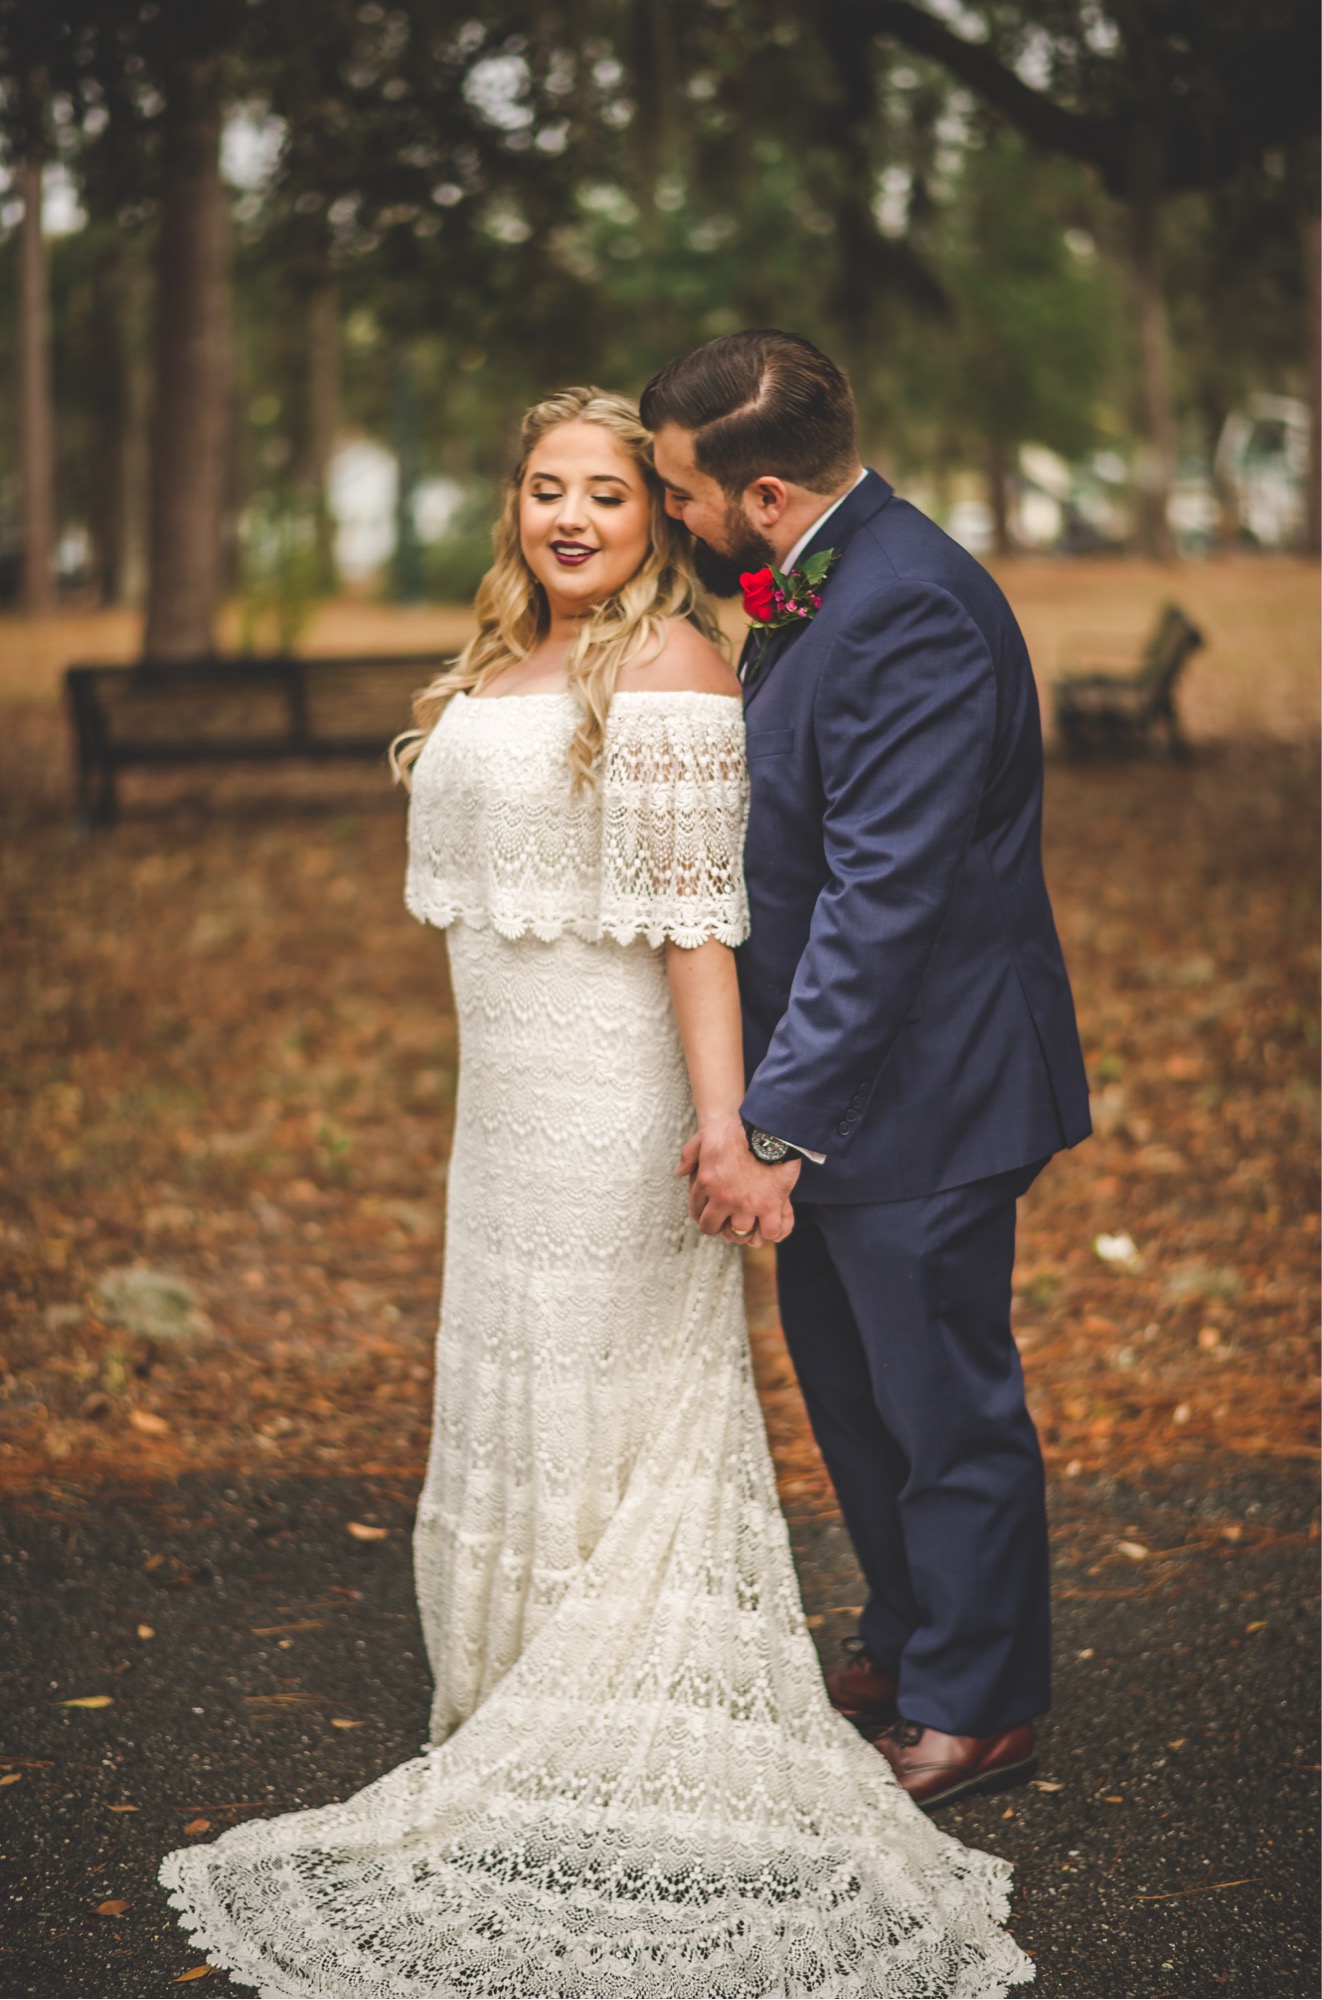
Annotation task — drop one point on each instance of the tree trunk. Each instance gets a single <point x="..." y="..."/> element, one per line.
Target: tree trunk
<point x="119" y="440"/>
<point x="1156" y="468"/>
<point x="322" y="414"/>
<point x="192" y="414"/>
<point x="109" y="423"/>
<point x="1313" y="376"/>
<point x="130" y="583"/>
<point x="998" y="494"/>
<point x="36" y="419"/>
<point x="407" y="420"/>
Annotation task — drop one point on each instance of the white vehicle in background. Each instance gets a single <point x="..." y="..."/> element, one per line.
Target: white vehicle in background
<point x="1261" y="465"/>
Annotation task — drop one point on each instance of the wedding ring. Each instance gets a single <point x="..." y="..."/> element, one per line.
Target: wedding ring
<point x="741" y="1235"/>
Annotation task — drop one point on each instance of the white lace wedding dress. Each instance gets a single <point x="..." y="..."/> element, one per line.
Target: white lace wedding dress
<point x="635" y="1783"/>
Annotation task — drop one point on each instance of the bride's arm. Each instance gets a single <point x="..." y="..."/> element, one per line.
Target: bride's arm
<point x="704" y="993"/>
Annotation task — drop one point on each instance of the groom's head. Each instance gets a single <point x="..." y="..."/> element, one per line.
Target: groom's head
<point x="755" y="434"/>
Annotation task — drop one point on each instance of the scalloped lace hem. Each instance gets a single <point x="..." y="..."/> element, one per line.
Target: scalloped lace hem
<point x="988" y="1966"/>
<point x="442" y="911"/>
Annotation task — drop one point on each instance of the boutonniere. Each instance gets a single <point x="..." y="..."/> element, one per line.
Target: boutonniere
<point x="774" y="600"/>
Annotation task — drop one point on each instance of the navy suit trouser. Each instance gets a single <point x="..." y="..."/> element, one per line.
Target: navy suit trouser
<point x="897" y="1316"/>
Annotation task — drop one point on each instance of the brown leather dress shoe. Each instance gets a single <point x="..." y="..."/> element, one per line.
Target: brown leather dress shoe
<point x="860" y="1690"/>
<point x="935" y="1768"/>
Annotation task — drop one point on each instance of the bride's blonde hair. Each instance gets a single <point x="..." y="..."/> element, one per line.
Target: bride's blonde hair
<point x="511" y="607"/>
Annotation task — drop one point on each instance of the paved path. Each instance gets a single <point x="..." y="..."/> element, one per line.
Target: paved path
<point x="1176" y="1853"/>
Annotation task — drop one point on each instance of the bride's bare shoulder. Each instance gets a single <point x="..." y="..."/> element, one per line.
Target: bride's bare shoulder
<point x="686" y="664"/>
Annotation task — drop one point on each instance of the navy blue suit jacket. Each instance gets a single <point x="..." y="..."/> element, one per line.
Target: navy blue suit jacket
<point x="906" y="1007"/>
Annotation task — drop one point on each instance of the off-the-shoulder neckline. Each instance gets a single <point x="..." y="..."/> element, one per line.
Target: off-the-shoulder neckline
<point x="621" y="694"/>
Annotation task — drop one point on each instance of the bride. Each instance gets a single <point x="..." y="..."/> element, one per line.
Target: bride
<point x="635" y="1783"/>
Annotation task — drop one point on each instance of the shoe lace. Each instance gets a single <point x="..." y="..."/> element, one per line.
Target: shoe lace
<point x="905" y="1733"/>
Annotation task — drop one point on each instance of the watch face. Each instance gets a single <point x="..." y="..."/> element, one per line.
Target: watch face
<point x="769" y="1150"/>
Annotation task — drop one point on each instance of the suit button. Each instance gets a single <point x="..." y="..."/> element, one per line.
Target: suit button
<point x="844" y="1128"/>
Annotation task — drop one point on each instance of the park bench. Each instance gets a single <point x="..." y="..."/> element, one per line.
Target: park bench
<point x="240" y="709"/>
<point x="1120" y="712"/>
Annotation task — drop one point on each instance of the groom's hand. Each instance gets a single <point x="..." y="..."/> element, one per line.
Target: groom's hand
<point x="732" y="1193"/>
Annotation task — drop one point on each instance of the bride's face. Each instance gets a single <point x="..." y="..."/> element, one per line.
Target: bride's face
<point x="584" y="516"/>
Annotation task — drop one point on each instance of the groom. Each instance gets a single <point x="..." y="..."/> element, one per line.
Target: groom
<point x="909" y="1034"/>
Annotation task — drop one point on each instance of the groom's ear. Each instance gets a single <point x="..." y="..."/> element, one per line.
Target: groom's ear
<point x="765" y="500"/>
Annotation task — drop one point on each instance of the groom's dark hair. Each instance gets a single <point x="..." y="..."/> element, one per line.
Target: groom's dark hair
<point x="757" y="402"/>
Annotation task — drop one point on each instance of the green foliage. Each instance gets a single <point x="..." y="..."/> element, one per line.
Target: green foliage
<point x="523" y="196"/>
<point x="280" y="573"/>
<point x="1034" y="350"/>
<point x="453" y="567"/>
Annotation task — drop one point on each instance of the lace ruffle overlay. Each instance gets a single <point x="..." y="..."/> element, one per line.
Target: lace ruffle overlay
<point x="634" y="1783"/>
<point x="654" y="849"/>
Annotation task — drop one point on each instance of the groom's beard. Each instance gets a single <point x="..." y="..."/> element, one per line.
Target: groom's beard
<point x="719" y="570"/>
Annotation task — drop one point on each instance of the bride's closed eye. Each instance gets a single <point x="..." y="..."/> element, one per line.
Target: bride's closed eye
<point x="598" y="499"/>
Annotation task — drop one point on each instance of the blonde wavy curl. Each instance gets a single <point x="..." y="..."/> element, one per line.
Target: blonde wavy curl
<point x="511" y="607"/>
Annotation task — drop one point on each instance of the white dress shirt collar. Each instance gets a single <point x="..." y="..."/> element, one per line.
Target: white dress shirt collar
<point x="820" y="522"/>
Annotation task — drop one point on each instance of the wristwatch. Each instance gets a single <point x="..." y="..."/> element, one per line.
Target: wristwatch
<point x="765" y="1146"/>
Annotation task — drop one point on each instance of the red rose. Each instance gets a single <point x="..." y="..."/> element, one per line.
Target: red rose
<point x="759" y="590"/>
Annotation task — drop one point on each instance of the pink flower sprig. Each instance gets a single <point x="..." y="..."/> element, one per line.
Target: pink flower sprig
<point x="774" y="600"/>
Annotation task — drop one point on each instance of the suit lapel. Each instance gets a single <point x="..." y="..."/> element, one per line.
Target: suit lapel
<point x="867" y="499"/>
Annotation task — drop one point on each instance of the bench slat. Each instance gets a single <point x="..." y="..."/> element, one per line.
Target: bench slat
<point x="244" y="709"/>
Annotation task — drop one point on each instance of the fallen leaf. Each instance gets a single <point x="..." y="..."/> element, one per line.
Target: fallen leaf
<point x="1233" y="1533"/>
<point x="149" y="1423"/>
<point x="193" y="1972"/>
<point x="1087" y="1653"/>
<point x="114" y="1908"/>
<point x="303" y="1625"/>
<point x="362" y="1533"/>
<point x="121" y="1809"/>
<point x="11" y="1778"/>
<point x="1048" y="1784"/>
<point x="153" y="1562"/>
<point x="1112" y="1799"/>
<point x="1118" y="1249"/>
<point x="1136" y="1552"/>
<point x="198" y="1826"/>
<point x="1008" y="1813"/>
<point x="89" y="1701"/>
<point x="1159" y="1159"/>
<point x="1177" y="1742"/>
<point x="1258" y="1625"/>
<point x="146" y="1631"/>
<point x="343" y="1722"/>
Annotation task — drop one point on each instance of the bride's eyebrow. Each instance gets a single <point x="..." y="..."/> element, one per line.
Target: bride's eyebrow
<point x="594" y="478"/>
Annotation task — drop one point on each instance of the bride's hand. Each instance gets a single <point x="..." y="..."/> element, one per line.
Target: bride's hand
<point x="731" y="1192"/>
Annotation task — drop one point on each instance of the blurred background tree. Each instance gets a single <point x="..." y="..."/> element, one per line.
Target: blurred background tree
<point x="264" y="249"/>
